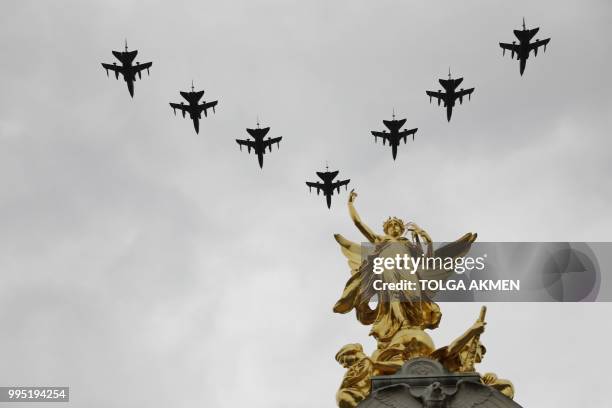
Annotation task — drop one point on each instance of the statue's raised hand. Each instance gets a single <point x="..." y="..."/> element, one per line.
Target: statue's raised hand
<point x="352" y="196"/>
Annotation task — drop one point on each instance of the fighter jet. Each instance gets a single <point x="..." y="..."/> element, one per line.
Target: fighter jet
<point x="126" y="69"/>
<point x="328" y="186"/>
<point x="259" y="144"/>
<point x="395" y="136"/>
<point x="524" y="47"/>
<point x="194" y="108"/>
<point x="451" y="95"/>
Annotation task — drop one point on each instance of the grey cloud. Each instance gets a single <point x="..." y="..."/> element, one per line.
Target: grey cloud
<point x="167" y="267"/>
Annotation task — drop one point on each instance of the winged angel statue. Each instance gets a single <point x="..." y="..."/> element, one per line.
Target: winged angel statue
<point x="399" y="317"/>
<point x="406" y="312"/>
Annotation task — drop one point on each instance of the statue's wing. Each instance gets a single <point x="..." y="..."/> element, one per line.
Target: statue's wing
<point x="396" y="396"/>
<point x="472" y="394"/>
<point x="351" y="294"/>
<point x="457" y="248"/>
<point x="454" y="249"/>
<point x="351" y="250"/>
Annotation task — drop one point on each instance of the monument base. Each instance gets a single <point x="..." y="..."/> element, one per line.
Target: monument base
<point x="423" y="382"/>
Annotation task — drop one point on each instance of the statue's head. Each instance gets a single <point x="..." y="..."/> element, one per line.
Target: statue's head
<point x="480" y="352"/>
<point x="394" y="227"/>
<point x="350" y="354"/>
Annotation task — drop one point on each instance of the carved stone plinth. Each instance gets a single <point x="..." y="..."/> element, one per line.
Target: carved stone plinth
<point x="425" y="383"/>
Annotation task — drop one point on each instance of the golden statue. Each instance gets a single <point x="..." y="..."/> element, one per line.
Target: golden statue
<point x="355" y="385"/>
<point x="405" y="316"/>
<point x="399" y="320"/>
<point x="466" y="350"/>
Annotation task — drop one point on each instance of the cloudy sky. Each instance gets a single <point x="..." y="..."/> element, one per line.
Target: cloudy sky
<point x="146" y="266"/>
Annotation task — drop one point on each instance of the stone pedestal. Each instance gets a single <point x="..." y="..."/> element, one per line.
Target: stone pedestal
<point x="425" y="383"/>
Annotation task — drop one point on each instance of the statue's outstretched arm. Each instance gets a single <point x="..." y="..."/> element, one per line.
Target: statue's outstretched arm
<point x="365" y="230"/>
<point x="459" y="343"/>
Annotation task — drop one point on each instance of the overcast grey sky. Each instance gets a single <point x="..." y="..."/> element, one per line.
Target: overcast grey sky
<point x="146" y="266"/>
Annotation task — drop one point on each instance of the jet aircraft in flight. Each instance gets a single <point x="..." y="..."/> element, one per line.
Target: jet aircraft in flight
<point x="259" y="144"/>
<point x="127" y="70"/>
<point x="451" y="95"/>
<point x="524" y="47"/>
<point x="329" y="185"/>
<point x="194" y="108"/>
<point x="395" y="135"/>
